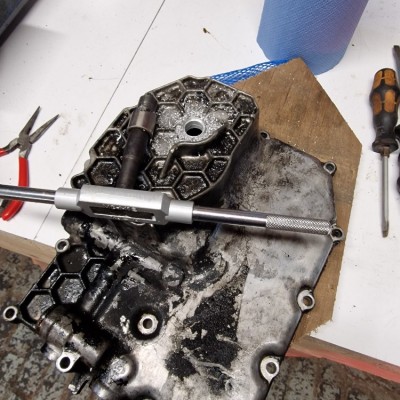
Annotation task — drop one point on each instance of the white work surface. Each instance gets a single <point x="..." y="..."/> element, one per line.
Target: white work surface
<point x="88" y="60"/>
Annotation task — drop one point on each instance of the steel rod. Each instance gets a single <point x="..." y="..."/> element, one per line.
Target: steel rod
<point x="385" y="196"/>
<point x="27" y="194"/>
<point x="204" y="214"/>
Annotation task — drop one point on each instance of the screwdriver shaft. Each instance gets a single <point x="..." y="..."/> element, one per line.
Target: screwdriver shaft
<point x="385" y="196"/>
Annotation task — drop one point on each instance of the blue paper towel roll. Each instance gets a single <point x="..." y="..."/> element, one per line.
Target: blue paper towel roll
<point x="318" y="31"/>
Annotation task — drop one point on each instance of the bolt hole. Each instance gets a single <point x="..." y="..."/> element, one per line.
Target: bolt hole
<point x="194" y="127"/>
<point x="10" y="313"/>
<point x="265" y="135"/>
<point x="64" y="363"/>
<point x="308" y="301"/>
<point x="148" y="323"/>
<point x="330" y="167"/>
<point x="337" y="234"/>
<point x="271" y="368"/>
<point x="62" y="245"/>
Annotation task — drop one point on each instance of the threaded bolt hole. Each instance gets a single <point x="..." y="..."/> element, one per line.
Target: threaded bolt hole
<point x="194" y="127"/>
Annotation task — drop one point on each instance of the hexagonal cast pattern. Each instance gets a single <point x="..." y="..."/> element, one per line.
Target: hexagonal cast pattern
<point x="199" y="122"/>
<point x="194" y="163"/>
<point x="110" y="144"/>
<point x="242" y="125"/>
<point x="190" y="185"/>
<point x="215" y="169"/>
<point x="222" y="113"/>
<point x="91" y="269"/>
<point x="193" y="83"/>
<point x="169" y="93"/>
<point x="49" y="277"/>
<point x="168" y="116"/>
<point x="122" y="120"/>
<point x="245" y="104"/>
<point x="219" y="92"/>
<point x="73" y="260"/>
<point x="38" y="304"/>
<point x="69" y="290"/>
<point x="153" y="173"/>
<point x="104" y="172"/>
<point x="195" y="100"/>
<point x="224" y="146"/>
<point x="78" y="181"/>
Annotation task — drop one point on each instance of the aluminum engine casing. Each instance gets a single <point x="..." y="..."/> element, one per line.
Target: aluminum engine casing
<point x="202" y="311"/>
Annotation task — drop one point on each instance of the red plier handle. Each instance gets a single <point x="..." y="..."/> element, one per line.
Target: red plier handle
<point x="24" y="142"/>
<point x="14" y="206"/>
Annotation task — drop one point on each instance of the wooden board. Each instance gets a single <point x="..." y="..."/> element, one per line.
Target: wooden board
<point x="41" y="254"/>
<point x="294" y="108"/>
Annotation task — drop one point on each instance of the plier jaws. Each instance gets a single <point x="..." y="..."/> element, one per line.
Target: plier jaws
<point x="24" y="142"/>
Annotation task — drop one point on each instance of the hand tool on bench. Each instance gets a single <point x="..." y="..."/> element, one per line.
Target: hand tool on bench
<point x="396" y="53"/>
<point x="158" y="208"/>
<point x="24" y="142"/>
<point x="384" y="100"/>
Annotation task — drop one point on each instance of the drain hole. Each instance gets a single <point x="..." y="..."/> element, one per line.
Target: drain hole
<point x="194" y="127"/>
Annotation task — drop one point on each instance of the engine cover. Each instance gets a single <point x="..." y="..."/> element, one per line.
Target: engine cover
<point x="201" y="311"/>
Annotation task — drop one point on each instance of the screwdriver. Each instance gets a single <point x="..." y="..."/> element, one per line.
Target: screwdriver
<point x="396" y="53"/>
<point x="384" y="100"/>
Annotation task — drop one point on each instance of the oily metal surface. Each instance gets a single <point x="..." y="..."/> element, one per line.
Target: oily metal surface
<point x="241" y="303"/>
<point x="28" y="375"/>
<point x="202" y="311"/>
<point x="225" y="299"/>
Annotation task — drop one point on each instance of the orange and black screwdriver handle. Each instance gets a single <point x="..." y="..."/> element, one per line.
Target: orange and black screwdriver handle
<point x="384" y="100"/>
<point x="13" y="207"/>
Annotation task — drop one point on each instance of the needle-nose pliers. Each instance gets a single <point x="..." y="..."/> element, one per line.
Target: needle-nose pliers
<point x="24" y="142"/>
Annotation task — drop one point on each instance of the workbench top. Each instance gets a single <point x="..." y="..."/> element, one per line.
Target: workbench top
<point x="88" y="60"/>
